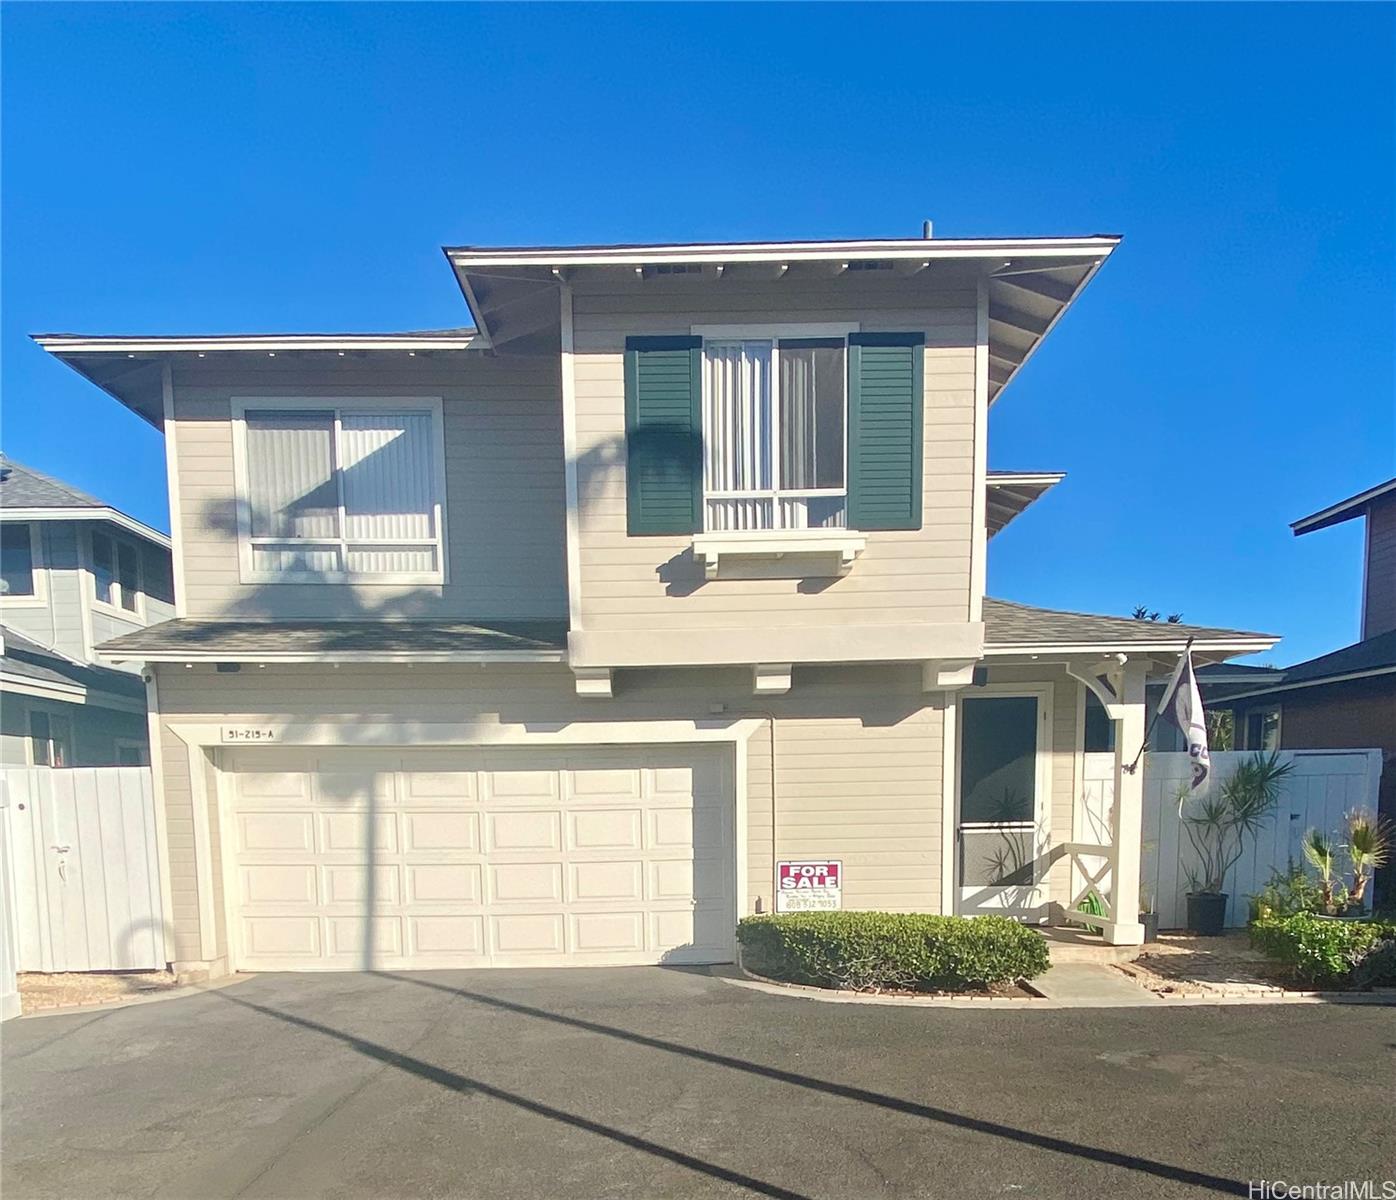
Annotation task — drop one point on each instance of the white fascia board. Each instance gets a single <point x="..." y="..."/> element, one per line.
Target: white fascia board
<point x="1321" y="681"/>
<point x="68" y="693"/>
<point x="1088" y="248"/>
<point x="1104" y="646"/>
<point x="1025" y="478"/>
<point x="130" y="524"/>
<point x="353" y="656"/>
<point x="1344" y="510"/>
<point x="61" y="344"/>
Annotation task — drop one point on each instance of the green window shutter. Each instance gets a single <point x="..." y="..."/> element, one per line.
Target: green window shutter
<point x="885" y="419"/>
<point x="663" y="435"/>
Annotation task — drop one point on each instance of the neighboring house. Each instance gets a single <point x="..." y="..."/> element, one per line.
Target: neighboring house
<point x="74" y="572"/>
<point x="544" y="642"/>
<point x="1346" y="698"/>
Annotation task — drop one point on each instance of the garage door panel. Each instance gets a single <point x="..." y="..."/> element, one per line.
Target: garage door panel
<point x="347" y="883"/>
<point x="282" y="938"/>
<point x="591" y="882"/>
<point x="444" y="883"/>
<point x="348" y="937"/>
<point x="427" y="832"/>
<point x="522" y="787"/>
<point x="607" y="784"/>
<point x="447" y="936"/>
<point x="279" y="884"/>
<point x="340" y="832"/>
<point x="451" y="787"/>
<point x="606" y="829"/>
<point x="523" y="831"/>
<point x="480" y="857"/>
<point x="608" y="933"/>
<point x="528" y="934"/>
<point x="525" y="883"/>
<point x="275" y="831"/>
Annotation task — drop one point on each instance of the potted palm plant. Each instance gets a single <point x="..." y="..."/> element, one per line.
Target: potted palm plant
<point x="1322" y="855"/>
<point x="1222" y="823"/>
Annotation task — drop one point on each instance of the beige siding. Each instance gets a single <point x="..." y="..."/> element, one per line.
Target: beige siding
<point x="858" y="754"/>
<point x="504" y="489"/>
<point x="653" y="583"/>
<point x="1379" y="604"/>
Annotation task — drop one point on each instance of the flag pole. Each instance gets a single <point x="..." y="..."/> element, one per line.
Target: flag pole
<point x="1149" y="729"/>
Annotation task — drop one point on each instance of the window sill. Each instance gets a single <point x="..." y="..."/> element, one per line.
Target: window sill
<point x="837" y="547"/>
<point x="305" y="578"/>
<point x="136" y="617"/>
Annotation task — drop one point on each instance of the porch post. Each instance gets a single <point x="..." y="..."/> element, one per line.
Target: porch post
<point x="1127" y="822"/>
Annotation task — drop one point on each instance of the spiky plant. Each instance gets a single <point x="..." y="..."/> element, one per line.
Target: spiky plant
<point x="1368" y="845"/>
<point x="1321" y="854"/>
<point x="1223" y="820"/>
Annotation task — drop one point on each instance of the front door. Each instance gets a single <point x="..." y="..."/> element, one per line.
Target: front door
<point x="1002" y="805"/>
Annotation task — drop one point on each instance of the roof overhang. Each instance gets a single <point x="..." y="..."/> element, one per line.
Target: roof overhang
<point x="130" y="367"/>
<point x="512" y="290"/>
<point x="1344" y="510"/>
<point x="1210" y="649"/>
<point x="190" y="657"/>
<point x="117" y="518"/>
<point x="1320" y="681"/>
<point x="1011" y="492"/>
<point x="64" y="692"/>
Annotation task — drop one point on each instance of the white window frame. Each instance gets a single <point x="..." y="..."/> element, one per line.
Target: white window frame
<point x="431" y="405"/>
<point x="68" y="738"/>
<point x="114" y="607"/>
<point x="775" y="494"/>
<point x="38" y="570"/>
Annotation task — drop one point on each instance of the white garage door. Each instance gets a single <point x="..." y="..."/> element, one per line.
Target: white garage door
<point x="338" y="860"/>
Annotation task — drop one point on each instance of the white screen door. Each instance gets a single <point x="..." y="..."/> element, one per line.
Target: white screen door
<point x="1002" y="805"/>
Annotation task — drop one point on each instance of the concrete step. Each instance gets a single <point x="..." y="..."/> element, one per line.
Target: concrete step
<point x="1092" y="985"/>
<point x="1083" y="946"/>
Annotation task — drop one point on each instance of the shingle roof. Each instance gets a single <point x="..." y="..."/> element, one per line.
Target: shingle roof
<point x="1372" y="655"/>
<point x="29" y="660"/>
<point x="1008" y="625"/>
<point x="292" y="639"/>
<point x="24" y="487"/>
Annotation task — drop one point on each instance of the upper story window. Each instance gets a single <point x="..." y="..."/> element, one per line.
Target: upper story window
<point x="17" y="559"/>
<point x="341" y="491"/>
<point x="116" y="572"/>
<point x="774" y="433"/>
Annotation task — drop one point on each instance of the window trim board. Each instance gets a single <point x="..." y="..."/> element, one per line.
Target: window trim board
<point x="38" y="568"/>
<point x="432" y="404"/>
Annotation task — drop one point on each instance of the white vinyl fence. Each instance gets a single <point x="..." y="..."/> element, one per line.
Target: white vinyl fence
<point x="83" y="865"/>
<point x="1324" y="785"/>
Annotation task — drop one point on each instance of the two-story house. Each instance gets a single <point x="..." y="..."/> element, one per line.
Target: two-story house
<point x="74" y="572"/>
<point x="545" y="641"/>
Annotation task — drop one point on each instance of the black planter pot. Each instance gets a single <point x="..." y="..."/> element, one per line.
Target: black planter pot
<point x="1207" y="913"/>
<point x="1150" y="922"/>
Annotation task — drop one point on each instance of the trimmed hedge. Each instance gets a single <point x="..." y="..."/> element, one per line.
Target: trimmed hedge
<point x="862" y="951"/>
<point x="1327" y="953"/>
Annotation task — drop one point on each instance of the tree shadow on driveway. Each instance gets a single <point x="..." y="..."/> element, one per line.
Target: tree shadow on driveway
<point x="460" y="1083"/>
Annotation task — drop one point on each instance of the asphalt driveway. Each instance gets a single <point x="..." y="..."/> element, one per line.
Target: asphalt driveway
<point x="651" y="1082"/>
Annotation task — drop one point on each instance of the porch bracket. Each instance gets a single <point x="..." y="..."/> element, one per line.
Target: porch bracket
<point x="593" y="682"/>
<point x="1105" y="679"/>
<point x="770" y="679"/>
<point x="950" y="675"/>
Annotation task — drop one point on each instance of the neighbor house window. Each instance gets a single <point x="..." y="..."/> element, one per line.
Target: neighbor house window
<point x="16" y="559"/>
<point x="51" y="739"/>
<point x="342" y="493"/>
<point x="1263" y="729"/>
<point x="131" y="753"/>
<point x="116" y="572"/>
<point x="774" y="422"/>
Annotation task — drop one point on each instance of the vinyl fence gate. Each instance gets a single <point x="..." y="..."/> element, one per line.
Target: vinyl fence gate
<point x="83" y="866"/>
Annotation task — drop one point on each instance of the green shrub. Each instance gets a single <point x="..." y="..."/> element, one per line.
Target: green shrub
<point x="914" y="951"/>
<point x="1329" y="954"/>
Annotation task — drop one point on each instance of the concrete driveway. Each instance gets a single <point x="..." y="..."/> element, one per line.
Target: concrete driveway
<point x="652" y="1082"/>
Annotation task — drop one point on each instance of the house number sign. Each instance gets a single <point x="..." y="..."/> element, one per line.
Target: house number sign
<point x="809" y="886"/>
<point x="245" y="734"/>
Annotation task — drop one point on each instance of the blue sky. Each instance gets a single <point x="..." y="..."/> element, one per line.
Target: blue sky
<point x="230" y="168"/>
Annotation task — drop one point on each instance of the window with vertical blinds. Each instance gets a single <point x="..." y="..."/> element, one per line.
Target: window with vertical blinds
<point x="340" y="493"/>
<point x="774" y="434"/>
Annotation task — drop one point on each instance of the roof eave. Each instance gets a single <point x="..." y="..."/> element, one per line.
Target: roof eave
<point x="103" y="513"/>
<point x="117" y="655"/>
<point x="1226" y="646"/>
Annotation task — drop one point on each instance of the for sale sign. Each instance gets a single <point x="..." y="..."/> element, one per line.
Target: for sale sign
<point x="809" y="886"/>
